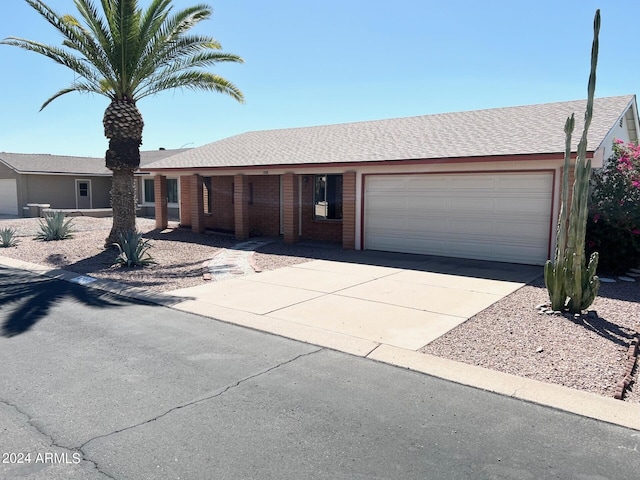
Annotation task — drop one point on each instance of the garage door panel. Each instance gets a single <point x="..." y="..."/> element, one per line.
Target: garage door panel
<point x="426" y="203"/>
<point x="472" y="204"/>
<point x="423" y="184"/>
<point x="472" y="183"/>
<point x="524" y="206"/>
<point x="8" y="197"/>
<point x="532" y="183"/>
<point x="486" y="216"/>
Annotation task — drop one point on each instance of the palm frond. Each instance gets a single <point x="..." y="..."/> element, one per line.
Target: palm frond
<point x="126" y="52"/>
<point x="75" y="87"/>
<point x="203" y="81"/>
<point x="58" y="55"/>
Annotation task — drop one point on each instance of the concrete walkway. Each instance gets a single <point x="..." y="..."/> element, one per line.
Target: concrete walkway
<point x="235" y="261"/>
<point x="384" y="308"/>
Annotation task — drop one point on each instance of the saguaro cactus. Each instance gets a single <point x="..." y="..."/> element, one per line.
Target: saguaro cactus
<point x="573" y="285"/>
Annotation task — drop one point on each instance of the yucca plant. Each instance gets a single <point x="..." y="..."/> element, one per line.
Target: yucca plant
<point x="133" y="250"/>
<point x="8" y="237"/>
<point x="572" y="283"/>
<point x="55" y="227"/>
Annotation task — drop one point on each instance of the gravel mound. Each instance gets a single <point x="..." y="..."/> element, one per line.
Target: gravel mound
<point x="583" y="353"/>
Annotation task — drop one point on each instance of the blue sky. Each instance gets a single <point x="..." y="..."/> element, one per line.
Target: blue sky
<point x="332" y="61"/>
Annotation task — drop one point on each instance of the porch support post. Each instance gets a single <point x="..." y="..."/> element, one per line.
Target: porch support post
<point x="291" y="207"/>
<point x="185" y="200"/>
<point x="160" y="200"/>
<point x="197" y="207"/>
<point x="241" y="206"/>
<point x="349" y="210"/>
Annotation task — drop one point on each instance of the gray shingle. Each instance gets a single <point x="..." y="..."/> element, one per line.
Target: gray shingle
<point x="529" y="129"/>
<point x="52" y="164"/>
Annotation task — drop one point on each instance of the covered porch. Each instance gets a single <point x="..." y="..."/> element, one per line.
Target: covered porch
<point x="296" y="206"/>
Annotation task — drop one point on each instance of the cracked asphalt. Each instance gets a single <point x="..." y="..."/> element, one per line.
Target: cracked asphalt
<point x="93" y="386"/>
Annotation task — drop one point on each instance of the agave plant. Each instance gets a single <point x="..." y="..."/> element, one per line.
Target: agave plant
<point x="8" y="237"/>
<point x="133" y="250"/>
<point x="55" y="227"/>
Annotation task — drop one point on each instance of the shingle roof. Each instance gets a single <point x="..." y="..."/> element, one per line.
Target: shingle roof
<point x="527" y="129"/>
<point x="52" y="164"/>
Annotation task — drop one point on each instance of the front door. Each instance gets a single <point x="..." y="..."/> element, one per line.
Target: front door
<point x="83" y="194"/>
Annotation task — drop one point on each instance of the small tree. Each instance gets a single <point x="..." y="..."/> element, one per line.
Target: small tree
<point x="613" y="227"/>
<point x="571" y="283"/>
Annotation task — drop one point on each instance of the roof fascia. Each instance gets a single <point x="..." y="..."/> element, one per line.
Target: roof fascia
<point x="419" y="161"/>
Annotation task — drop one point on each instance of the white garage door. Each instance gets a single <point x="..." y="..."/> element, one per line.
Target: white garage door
<point x="8" y="197"/>
<point x="504" y="217"/>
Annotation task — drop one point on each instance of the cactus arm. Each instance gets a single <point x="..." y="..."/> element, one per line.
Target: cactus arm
<point x="568" y="276"/>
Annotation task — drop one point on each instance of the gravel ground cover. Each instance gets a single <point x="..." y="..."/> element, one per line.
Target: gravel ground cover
<point x="510" y="336"/>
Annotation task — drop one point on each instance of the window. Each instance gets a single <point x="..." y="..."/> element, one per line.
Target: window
<point x="172" y="190"/>
<point x="83" y="187"/>
<point x="149" y="190"/>
<point x="327" y="197"/>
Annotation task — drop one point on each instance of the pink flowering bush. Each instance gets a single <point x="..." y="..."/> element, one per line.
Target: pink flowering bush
<point x="613" y="226"/>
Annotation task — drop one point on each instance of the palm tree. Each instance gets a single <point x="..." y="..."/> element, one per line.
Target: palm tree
<point x="126" y="53"/>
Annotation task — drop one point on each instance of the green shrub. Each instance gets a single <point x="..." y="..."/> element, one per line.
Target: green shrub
<point x="8" y="237"/>
<point x="613" y="228"/>
<point x="54" y="227"/>
<point x="133" y="250"/>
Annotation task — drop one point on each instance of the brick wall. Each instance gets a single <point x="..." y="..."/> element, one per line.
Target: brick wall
<point x="290" y="207"/>
<point x="222" y="215"/>
<point x="160" y="193"/>
<point x="349" y="210"/>
<point x="196" y="198"/>
<point x="264" y="211"/>
<point x="185" y="201"/>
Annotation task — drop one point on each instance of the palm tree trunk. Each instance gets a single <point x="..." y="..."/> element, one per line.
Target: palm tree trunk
<point x="123" y="127"/>
<point x="123" y="203"/>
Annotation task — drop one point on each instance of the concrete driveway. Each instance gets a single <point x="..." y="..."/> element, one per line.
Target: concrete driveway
<point x="404" y="301"/>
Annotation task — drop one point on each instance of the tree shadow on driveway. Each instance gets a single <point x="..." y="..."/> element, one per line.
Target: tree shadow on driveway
<point x="26" y="298"/>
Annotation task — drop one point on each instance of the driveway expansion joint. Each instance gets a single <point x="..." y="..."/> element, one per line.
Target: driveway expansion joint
<point x="203" y="399"/>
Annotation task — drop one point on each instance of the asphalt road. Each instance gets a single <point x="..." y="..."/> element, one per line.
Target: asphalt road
<point x="93" y="386"/>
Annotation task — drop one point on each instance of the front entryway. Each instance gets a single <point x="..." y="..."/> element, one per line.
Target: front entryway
<point x="83" y="194"/>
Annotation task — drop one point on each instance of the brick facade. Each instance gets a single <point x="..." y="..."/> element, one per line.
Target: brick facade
<point x="196" y="201"/>
<point x="264" y="207"/>
<point x="241" y="206"/>
<point x="160" y="194"/>
<point x="222" y="215"/>
<point x="249" y="205"/>
<point x="185" y="201"/>
<point x="290" y="207"/>
<point x="349" y="210"/>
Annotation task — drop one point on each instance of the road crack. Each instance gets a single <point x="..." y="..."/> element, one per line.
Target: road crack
<point x="49" y="439"/>
<point x="201" y="400"/>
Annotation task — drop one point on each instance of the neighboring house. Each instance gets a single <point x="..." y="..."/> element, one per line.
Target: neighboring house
<point x="479" y="184"/>
<point x="62" y="182"/>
